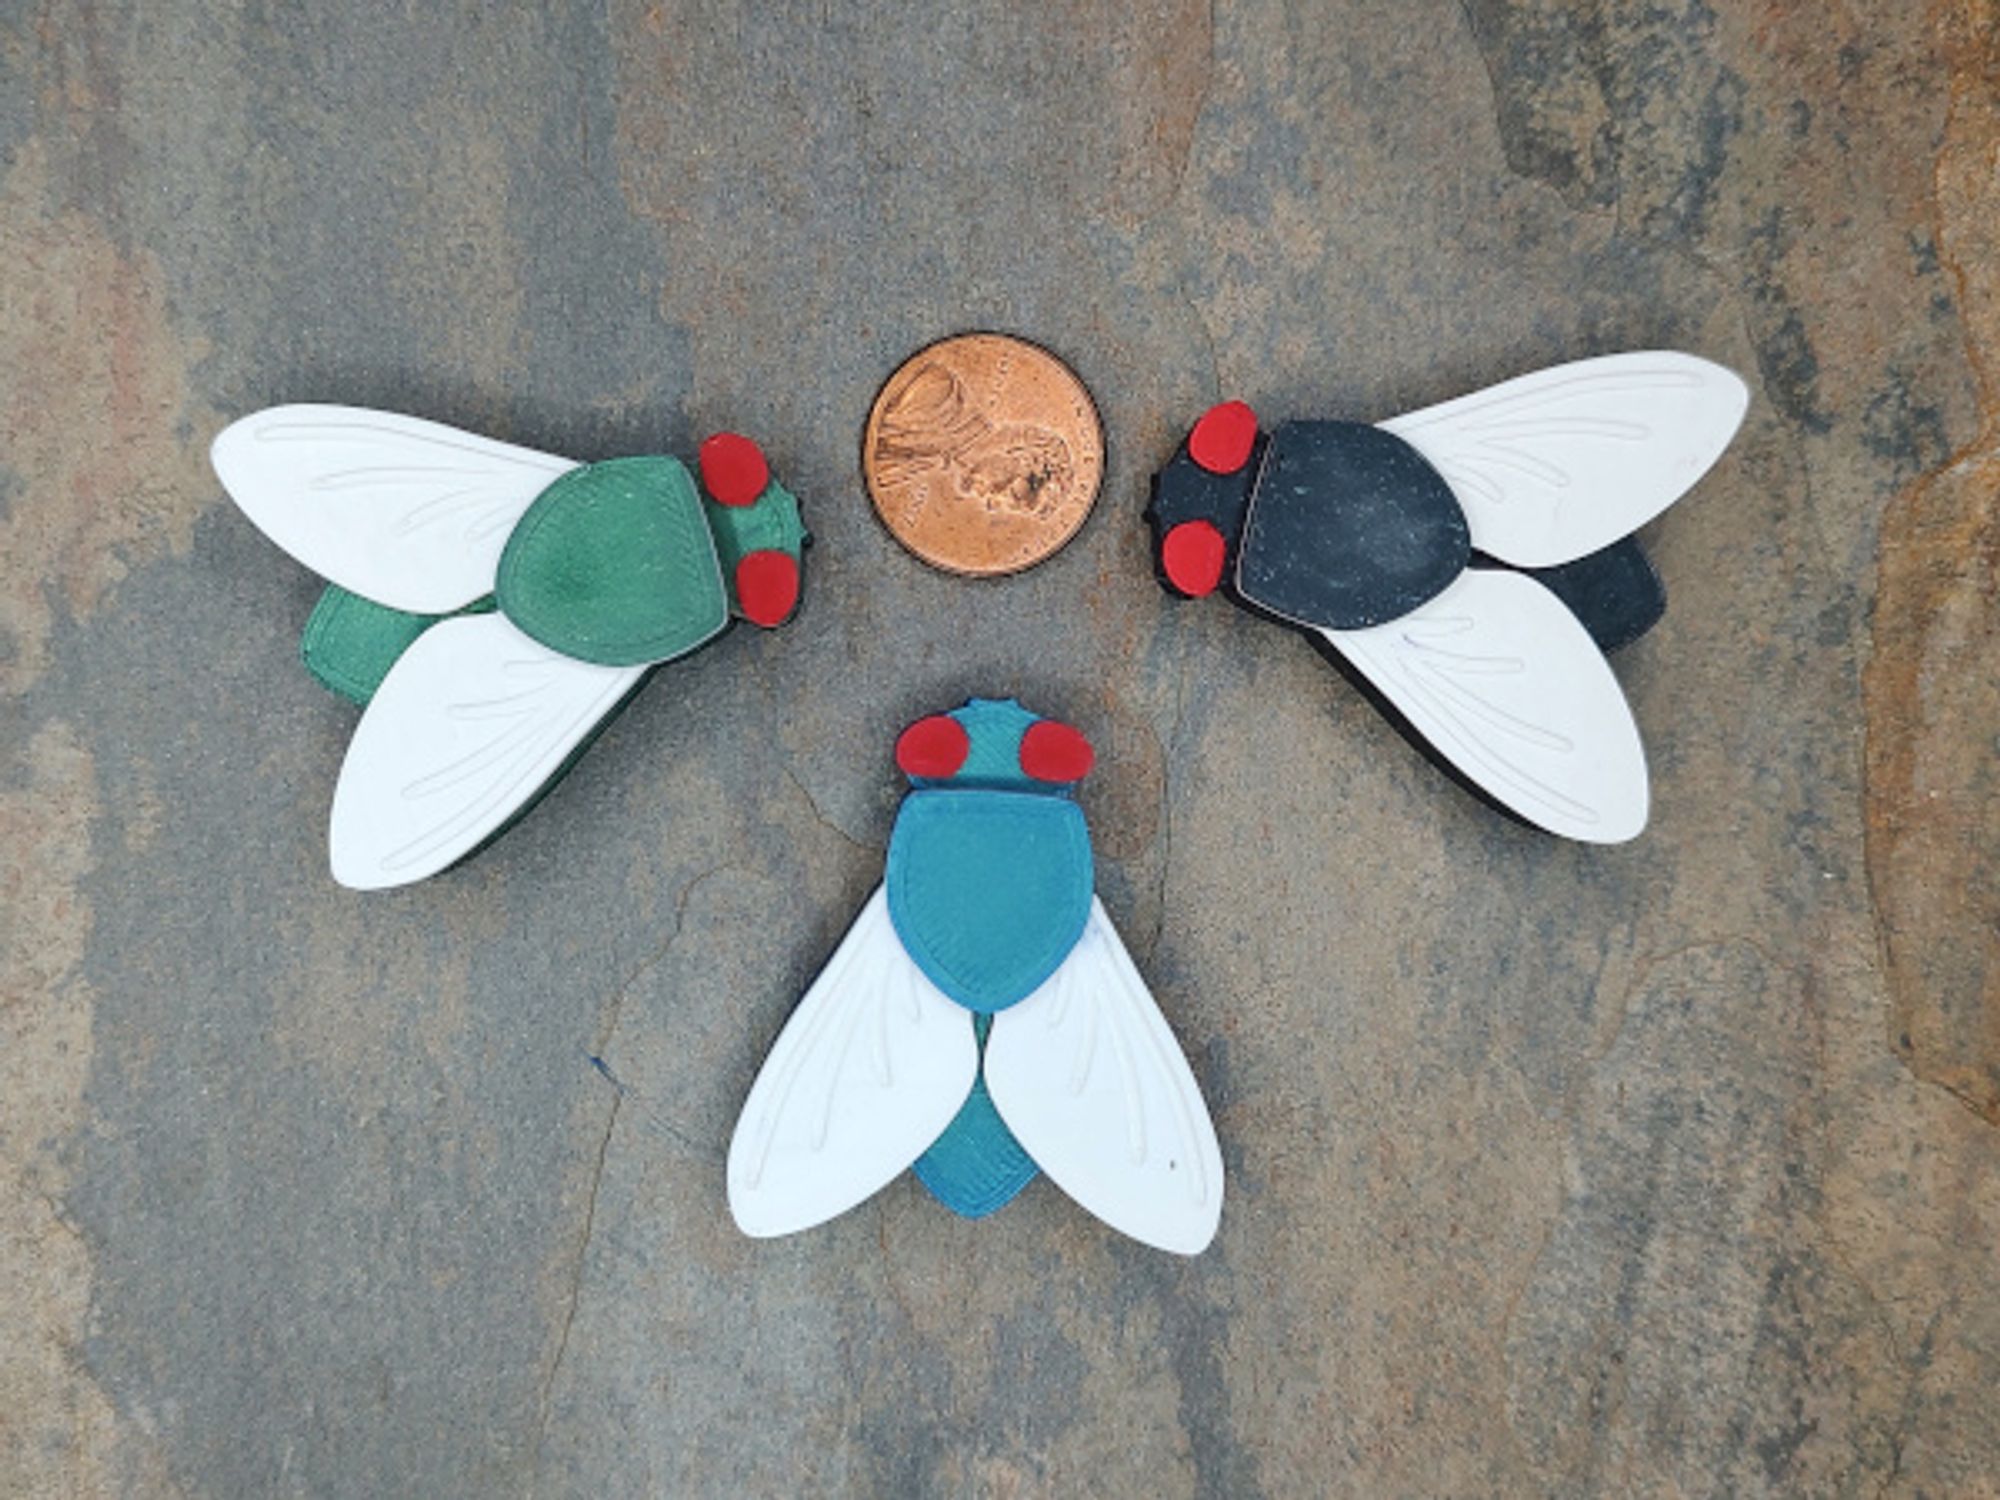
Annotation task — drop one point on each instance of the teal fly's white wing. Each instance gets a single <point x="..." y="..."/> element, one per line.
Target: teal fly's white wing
<point x="470" y="723"/>
<point x="1554" y="465"/>
<point x="865" y="1076"/>
<point x="409" y="513"/>
<point x="1090" y="1079"/>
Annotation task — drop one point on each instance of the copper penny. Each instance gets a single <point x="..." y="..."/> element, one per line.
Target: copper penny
<point x="983" y="454"/>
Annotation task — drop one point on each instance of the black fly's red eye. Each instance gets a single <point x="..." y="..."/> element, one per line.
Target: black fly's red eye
<point x="936" y="746"/>
<point x="733" y="469"/>
<point x="1222" y="439"/>
<point x="1191" y="555"/>
<point x="1055" y="752"/>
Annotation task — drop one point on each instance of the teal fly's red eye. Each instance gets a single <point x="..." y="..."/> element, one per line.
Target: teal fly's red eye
<point x="767" y="587"/>
<point x="1055" y="752"/>
<point x="733" y="470"/>
<point x="936" y="746"/>
<point x="1222" y="439"/>
<point x="1191" y="555"/>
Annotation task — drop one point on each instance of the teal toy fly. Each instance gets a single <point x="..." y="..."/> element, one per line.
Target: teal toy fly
<point x="982" y="1022"/>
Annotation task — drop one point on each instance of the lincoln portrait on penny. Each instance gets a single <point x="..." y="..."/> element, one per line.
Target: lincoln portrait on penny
<point x="931" y="427"/>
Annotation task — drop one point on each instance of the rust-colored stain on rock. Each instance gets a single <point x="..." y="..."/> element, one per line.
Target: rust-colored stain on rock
<point x="1933" y="685"/>
<point x="99" y="433"/>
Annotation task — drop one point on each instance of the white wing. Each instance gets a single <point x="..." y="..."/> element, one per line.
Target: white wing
<point x="865" y="1076"/>
<point x="408" y="513"/>
<point x="469" y="724"/>
<point x="1508" y="686"/>
<point x="1557" y="464"/>
<point x="1088" y="1077"/>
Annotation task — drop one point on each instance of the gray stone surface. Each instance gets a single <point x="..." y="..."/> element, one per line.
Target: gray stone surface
<point x="1664" y="1170"/>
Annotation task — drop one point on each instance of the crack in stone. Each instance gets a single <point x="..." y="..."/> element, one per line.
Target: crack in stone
<point x="652" y="960"/>
<point x="1183" y="166"/>
<point x="1215" y="390"/>
<point x="1898" y="1437"/>
<point x="618" y="1092"/>
<point x="681" y="1135"/>
<point x="819" y="817"/>
<point x="1183" y="170"/>
<point x="547" y="1392"/>
<point x="1958" y="1096"/>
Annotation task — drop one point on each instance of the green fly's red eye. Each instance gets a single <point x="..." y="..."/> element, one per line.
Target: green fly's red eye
<point x="1191" y="556"/>
<point x="936" y="746"/>
<point x="733" y="470"/>
<point x="767" y="586"/>
<point x="1222" y="439"/>
<point x="1055" y="752"/>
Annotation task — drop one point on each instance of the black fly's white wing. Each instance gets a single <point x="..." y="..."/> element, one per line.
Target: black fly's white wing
<point x="1557" y="464"/>
<point x="469" y="724"/>
<point x="411" y="514"/>
<point x="1088" y="1076"/>
<point x="1503" y="681"/>
<point x="865" y="1076"/>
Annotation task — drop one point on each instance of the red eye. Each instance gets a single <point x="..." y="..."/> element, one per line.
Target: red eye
<point x="1191" y="554"/>
<point x="1055" y="752"/>
<point x="936" y="746"/>
<point x="767" y="586"/>
<point x="1222" y="439"/>
<point x="733" y="469"/>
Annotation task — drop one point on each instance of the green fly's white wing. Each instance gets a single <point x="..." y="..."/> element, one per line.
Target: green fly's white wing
<point x="1089" y="1078"/>
<point x="865" y="1076"/>
<point x="472" y="721"/>
<point x="411" y="514"/>
<point x="1557" y="464"/>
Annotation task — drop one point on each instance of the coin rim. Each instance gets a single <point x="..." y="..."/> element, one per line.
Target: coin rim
<point x="874" y="411"/>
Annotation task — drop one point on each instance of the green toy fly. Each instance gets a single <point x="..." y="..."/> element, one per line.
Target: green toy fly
<point x="491" y="607"/>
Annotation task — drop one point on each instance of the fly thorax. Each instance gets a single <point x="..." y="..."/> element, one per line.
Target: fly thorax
<point x="989" y="890"/>
<point x="613" y="563"/>
<point x="1348" y="527"/>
